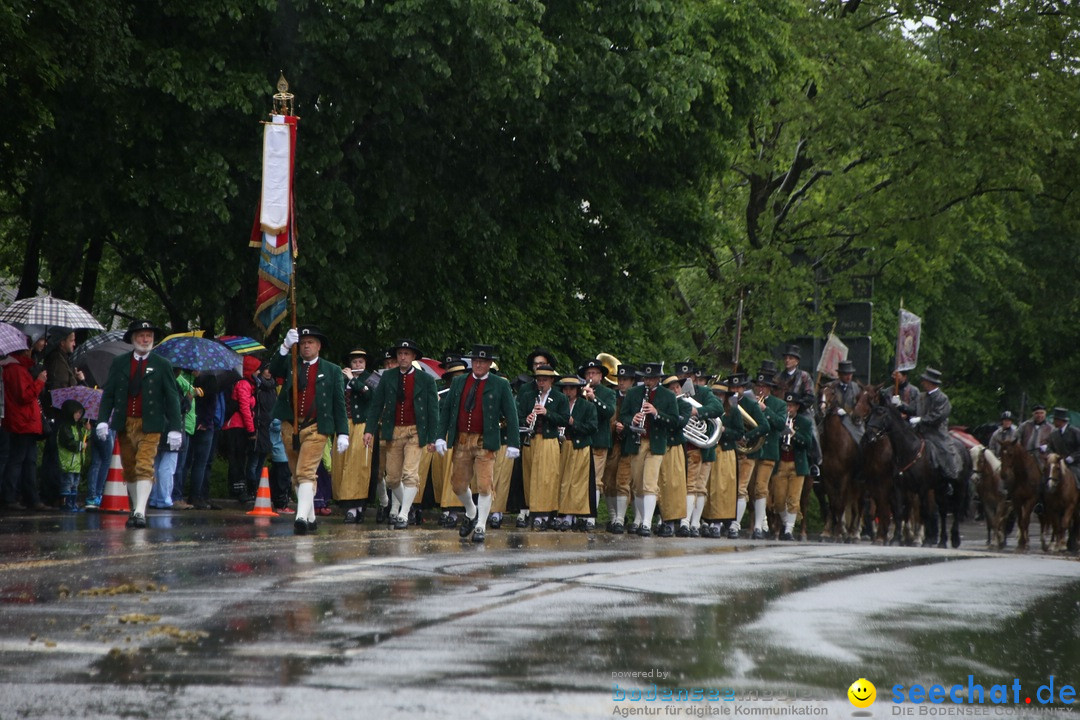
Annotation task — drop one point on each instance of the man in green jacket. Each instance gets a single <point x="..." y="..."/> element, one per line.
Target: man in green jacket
<point x="141" y="395"/>
<point x="698" y="460"/>
<point x="757" y="428"/>
<point x="605" y="401"/>
<point x="775" y="410"/>
<point x="321" y="413"/>
<point x="405" y="409"/>
<point x="478" y="406"/>
<point x="648" y="412"/>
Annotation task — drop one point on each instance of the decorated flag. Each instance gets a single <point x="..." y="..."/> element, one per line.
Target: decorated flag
<point x="274" y="232"/>
<point x="833" y="353"/>
<point x="907" y="340"/>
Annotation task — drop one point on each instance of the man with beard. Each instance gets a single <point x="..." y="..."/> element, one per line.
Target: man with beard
<point x="142" y="389"/>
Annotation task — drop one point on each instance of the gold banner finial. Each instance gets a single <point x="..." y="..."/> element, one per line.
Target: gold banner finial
<point x="283" y="99"/>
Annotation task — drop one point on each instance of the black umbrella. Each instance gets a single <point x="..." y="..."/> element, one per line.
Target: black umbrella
<point x="95" y="363"/>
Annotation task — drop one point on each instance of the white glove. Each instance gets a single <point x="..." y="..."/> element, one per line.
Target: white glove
<point x="915" y="421"/>
<point x="895" y="401"/>
<point x="291" y="338"/>
<point x="440" y="446"/>
<point x="1042" y="448"/>
<point x="342" y="443"/>
<point x="102" y="431"/>
<point x="1069" y="460"/>
<point x="175" y="440"/>
<point x="512" y="453"/>
<point x="841" y="411"/>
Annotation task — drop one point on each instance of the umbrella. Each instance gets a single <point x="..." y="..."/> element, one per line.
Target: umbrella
<point x="430" y="366"/>
<point x="241" y="344"/>
<point x="193" y="353"/>
<point x="95" y="363"/>
<point x="189" y="333"/>
<point x="47" y="310"/>
<point x="12" y="339"/>
<point x="89" y="398"/>
<point x="99" y="339"/>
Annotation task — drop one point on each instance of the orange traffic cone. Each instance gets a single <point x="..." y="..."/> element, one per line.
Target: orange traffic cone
<point x="263" y="507"/>
<point x="115" y="497"/>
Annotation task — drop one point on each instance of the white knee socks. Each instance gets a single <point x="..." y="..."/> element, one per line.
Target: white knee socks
<point x="305" y="501"/>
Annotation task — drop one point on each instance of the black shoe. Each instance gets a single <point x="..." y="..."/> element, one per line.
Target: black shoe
<point x="644" y="531"/>
<point x="312" y="527"/>
<point x="451" y="521"/>
<point x="683" y="531"/>
<point x="733" y="533"/>
<point x="758" y="534"/>
<point x="494" y="522"/>
<point x="539" y="524"/>
<point x="696" y="532"/>
<point x="521" y="522"/>
<point x="352" y="517"/>
<point x="616" y="528"/>
<point x="382" y="514"/>
<point x="787" y="536"/>
<point x="300" y="527"/>
<point x="478" y="535"/>
<point x="468" y="524"/>
<point x="400" y="523"/>
<point x="665" y="531"/>
<point x="135" y="522"/>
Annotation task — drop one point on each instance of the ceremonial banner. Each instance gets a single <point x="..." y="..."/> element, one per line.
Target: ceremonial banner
<point x="274" y="232"/>
<point x="907" y="340"/>
<point x="833" y="353"/>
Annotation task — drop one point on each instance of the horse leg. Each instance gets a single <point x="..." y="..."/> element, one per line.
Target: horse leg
<point x="954" y="538"/>
<point x="823" y="504"/>
<point x="1023" y="525"/>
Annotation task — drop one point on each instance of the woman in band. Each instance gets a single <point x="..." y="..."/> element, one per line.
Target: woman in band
<point x="577" y="481"/>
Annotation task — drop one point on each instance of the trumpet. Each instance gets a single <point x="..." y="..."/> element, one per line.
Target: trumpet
<point x="527" y="432"/>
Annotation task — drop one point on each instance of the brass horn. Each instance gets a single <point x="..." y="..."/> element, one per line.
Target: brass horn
<point x="611" y="364"/>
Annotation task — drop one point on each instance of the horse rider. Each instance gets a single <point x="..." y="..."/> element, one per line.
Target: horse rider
<point x="1005" y="432"/>
<point x="1064" y="441"/>
<point x="908" y="393"/>
<point x="845" y="391"/>
<point x="930" y="417"/>
<point x="1035" y="433"/>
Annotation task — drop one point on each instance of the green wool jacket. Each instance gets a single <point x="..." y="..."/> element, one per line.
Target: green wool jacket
<point x="425" y="405"/>
<point x="668" y="409"/>
<point x="605" y="403"/>
<point x="498" y="404"/>
<point x="584" y="428"/>
<point x="675" y="432"/>
<point x="751" y="434"/>
<point x="734" y="428"/>
<point x="557" y="406"/>
<point x="160" y="396"/>
<point x="329" y="394"/>
<point x="359" y="397"/>
<point x="776" y="414"/>
<point x="801" y="442"/>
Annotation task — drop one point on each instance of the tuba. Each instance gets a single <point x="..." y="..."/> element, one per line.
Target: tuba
<point x="742" y="448"/>
<point x="704" y="433"/>
<point x="611" y="364"/>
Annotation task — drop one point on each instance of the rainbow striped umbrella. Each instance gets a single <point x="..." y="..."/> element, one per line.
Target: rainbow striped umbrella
<point x="241" y="344"/>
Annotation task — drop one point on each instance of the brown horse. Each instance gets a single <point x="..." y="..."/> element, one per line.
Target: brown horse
<point x="991" y="492"/>
<point x="880" y="504"/>
<point x="1059" y="506"/>
<point x="840" y="464"/>
<point x="1021" y="477"/>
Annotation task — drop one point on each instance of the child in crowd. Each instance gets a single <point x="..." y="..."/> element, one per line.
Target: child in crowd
<point x="71" y="436"/>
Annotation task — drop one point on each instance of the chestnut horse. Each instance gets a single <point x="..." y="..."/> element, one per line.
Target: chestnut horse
<point x="840" y="471"/>
<point x="881" y="504"/>
<point x="1021" y="477"/>
<point x="1059" y="506"/>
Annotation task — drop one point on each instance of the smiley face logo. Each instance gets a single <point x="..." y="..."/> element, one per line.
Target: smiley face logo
<point x="862" y="693"/>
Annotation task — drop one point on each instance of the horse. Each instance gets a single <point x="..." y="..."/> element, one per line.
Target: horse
<point x="991" y="492"/>
<point x="840" y="466"/>
<point x="1059" y="506"/>
<point x="881" y="504"/>
<point x="1021" y="477"/>
<point x="912" y="471"/>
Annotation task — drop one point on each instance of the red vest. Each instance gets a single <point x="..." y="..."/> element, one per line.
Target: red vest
<point x="472" y="422"/>
<point x="306" y="399"/>
<point x="405" y="413"/>
<point x="134" y="408"/>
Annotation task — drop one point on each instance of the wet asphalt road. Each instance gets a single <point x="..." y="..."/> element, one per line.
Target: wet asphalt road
<point x="218" y="615"/>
